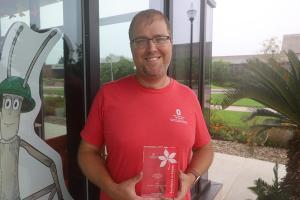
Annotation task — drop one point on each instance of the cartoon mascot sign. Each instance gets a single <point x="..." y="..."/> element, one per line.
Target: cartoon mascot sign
<point x="29" y="168"/>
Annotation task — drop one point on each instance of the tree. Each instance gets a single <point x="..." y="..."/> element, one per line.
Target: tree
<point x="61" y="60"/>
<point x="115" y="68"/>
<point x="123" y="68"/>
<point x="271" y="48"/>
<point x="220" y="72"/>
<point x="276" y="86"/>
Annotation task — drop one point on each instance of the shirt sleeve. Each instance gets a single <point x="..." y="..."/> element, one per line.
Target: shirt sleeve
<point x="93" y="129"/>
<point x="202" y="136"/>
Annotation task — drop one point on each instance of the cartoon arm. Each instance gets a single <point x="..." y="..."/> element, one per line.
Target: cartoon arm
<point x="50" y="164"/>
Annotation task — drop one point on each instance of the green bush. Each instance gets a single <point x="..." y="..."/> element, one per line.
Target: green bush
<point x="53" y="105"/>
<point x="222" y="130"/>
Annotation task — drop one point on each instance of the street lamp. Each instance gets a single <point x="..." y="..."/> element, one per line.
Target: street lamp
<point x="112" y="59"/>
<point x="191" y="13"/>
<point x="111" y="71"/>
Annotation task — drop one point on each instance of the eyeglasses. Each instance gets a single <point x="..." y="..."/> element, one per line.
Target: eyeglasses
<point x="158" y="41"/>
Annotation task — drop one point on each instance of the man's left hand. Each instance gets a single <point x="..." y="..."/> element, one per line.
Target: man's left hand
<point x="186" y="182"/>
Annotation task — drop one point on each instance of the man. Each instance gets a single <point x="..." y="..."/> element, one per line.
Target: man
<point x="148" y="109"/>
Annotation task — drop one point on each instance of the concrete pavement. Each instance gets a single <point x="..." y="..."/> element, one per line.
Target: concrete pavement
<point x="238" y="173"/>
<point x="238" y="108"/>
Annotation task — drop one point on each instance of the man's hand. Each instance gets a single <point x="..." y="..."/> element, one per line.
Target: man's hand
<point x="126" y="190"/>
<point x="186" y="182"/>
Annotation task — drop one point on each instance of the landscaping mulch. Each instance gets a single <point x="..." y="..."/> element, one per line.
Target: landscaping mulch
<point x="265" y="153"/>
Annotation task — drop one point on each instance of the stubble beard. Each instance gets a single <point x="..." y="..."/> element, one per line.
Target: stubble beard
<point x="154" y="72"/>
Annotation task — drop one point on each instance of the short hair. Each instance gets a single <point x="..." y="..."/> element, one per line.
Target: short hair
<point x="148" y="14"/>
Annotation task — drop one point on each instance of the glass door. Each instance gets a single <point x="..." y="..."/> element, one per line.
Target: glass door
<point x="64" y="60"/>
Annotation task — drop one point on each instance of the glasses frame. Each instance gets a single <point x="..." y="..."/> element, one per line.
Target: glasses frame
<point x="144" y="42"/>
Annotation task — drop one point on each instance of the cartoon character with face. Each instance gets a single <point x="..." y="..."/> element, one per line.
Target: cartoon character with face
<point x="15" y="99"/>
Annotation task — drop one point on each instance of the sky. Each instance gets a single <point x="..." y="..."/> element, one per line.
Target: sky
<point x="241" y="26"/>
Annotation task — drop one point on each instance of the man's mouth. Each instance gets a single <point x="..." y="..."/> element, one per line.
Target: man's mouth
<point x="152" y="58"/>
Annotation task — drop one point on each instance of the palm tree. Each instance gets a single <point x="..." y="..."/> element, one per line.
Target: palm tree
<point x="277" y="86"/>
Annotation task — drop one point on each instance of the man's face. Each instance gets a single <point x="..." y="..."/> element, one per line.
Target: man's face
<point x="10" y="116"/>
<point x="152" y="60"/>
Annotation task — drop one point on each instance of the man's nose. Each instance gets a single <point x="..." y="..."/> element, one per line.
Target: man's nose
<point x="151" y="45"/>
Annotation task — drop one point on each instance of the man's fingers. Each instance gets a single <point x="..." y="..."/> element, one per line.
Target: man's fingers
<point x="184" y="186"/>
<point x="137" y="178"/>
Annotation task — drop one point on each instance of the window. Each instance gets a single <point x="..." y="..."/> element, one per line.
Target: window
<point x="115" y="55"/>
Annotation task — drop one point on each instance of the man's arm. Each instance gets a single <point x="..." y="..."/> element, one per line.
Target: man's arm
<point x="201" y="160"/>
<point x="93" y="166"/>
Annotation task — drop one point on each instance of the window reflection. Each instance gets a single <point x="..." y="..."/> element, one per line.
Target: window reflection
<point x="47" y="16"/>
<point x="6" y="20"/>
<point x="39" y="15"/>
<point x="53" y="93"/>
<point x="115" y="55"/>
<point x="112" y="37"/>
<point x="117" y="7"/>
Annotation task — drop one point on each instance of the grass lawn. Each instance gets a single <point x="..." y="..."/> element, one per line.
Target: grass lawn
<point x="216" y="99"/>
<point x="234" y="118"/>
<point x="231" y="118"/>
<point x="56" y="91"/>
<point x="216" y="87"/>
<point x="231" y="125"/>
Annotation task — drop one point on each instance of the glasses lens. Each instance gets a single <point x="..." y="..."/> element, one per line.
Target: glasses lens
<point x="161" y="40"/>
<point x="141" y="42"/>
<point x="158" y="41"/>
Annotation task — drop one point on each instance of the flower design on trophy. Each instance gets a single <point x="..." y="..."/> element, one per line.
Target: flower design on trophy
<point x="167" y="157"/>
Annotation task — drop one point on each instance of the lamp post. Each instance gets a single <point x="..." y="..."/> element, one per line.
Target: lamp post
<point x="191" y="13"/>
<point x="112" y="59"/>
<point x="111" y="72"/>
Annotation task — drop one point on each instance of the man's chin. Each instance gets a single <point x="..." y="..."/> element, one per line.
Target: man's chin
<point x="154" y="74"/>
<point x="154" y="70"/>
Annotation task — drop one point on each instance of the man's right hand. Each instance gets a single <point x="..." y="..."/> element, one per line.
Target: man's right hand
<point x="93" y="167"/>
<point x="126" y="190"/>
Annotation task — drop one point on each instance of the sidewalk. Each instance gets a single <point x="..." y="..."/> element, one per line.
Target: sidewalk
<point x="238" y="108"/>
<point x="218" y="91"/>
<point x="238" y="173"/>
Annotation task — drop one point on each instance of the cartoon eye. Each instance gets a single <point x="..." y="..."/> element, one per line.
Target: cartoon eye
<point x="16" y="104"/>
<point x="7" y="103"/>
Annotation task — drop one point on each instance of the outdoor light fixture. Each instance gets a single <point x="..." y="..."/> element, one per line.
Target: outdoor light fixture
<point x="191" y="13"/>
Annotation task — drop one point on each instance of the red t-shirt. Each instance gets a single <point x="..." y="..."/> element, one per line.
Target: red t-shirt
<point x="126" y="117"/>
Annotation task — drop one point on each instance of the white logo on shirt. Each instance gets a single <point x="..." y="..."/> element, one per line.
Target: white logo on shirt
<point x="177" y="117"/>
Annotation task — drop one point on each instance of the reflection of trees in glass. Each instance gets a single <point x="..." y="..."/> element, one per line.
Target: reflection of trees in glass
<point x="61" y="60"/>
<point x="220" y="72"/>
<point x="117" y="70"/>
<point x="79" y="53"/>
<point x="75" y="56"/>
<point x="180" y="70"/>
<point x="54" y="91"/>
<point x="224" y="74"/>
